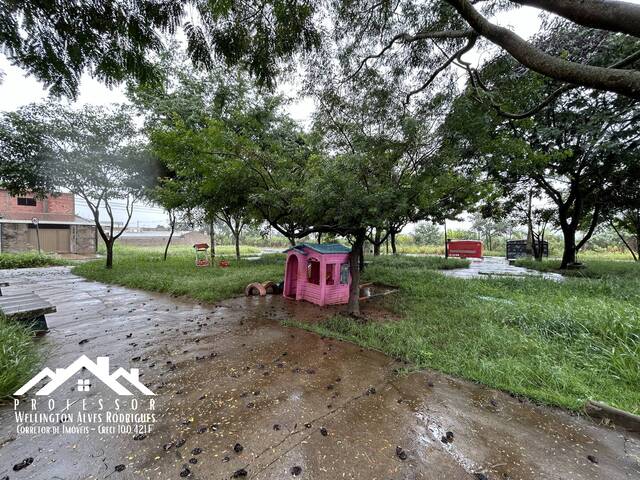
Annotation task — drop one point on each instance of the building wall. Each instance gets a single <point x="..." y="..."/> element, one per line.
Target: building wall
<point x="64" y="203"/>
<point x="14" y="237"/>
<point x="83" y="239"/>
<point x="18" y="237"/>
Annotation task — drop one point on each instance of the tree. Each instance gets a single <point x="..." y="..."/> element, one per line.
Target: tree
<point x="92" y="152"/>
<point x="175" y="198"/>
<point x="114" y="40"/>
<point x="242" y="158"/>
<point x="378" y="167"/>
<point x="624" y="208"/>
<point x="571" y="151"/>
<point x="410" y="38"/>
<point x="427" y="234"/>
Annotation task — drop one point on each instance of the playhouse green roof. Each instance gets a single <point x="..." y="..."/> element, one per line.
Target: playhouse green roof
<point x="322" y="247"/>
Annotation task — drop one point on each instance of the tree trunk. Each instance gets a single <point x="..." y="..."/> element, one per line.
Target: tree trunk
<point x="166" y="248"/>
<point x="376" y="244"/>
<point x="394" y="251"/>
<point x="354" y="265"/>
<point x="109" y="245"/>
<point x="236" y="237"/>
<point x="361" y="257"/>
<point x="626" y="244"/>
<point x="446" y="241"/>
<point x="319" y="237"/>
<point x="569" y="254"/>
<point x="212" y="240"/>
<point x="292" y="241"/>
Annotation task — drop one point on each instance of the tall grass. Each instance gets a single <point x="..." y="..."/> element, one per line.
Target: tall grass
<point x="18" y="356"/>
<point x="558" y="343"/>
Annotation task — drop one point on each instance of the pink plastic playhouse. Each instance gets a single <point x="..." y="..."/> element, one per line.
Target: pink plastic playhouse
<point x="318" y="273"/>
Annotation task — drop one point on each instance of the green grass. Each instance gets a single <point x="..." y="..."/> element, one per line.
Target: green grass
<point x="593" y="268"/>
<point x="557" y="343"/>
<point x="29" y="260"/>
<point x="18" y="356"/>
<point x="144" y="269"/>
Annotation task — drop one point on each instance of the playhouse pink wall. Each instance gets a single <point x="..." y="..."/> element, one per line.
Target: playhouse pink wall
<point x="297" y="285"/>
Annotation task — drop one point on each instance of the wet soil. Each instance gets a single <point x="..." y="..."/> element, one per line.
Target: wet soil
<point x="240" y="396"/>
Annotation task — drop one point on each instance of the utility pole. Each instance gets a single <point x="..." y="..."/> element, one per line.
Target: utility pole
<point x="35" y="221"/>
<point x="446" y="240"/>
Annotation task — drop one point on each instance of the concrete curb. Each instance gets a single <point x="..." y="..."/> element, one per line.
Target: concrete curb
<point x="621" y="418"/>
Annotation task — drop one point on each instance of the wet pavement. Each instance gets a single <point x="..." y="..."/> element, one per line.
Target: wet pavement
<point x="239" y="394"/>
<point x="497" y="266"/>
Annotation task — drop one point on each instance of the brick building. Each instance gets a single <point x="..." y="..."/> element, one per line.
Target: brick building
<point x="59" y="228"/>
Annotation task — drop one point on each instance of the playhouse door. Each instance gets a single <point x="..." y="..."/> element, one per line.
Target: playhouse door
<point x="291" y="281"/>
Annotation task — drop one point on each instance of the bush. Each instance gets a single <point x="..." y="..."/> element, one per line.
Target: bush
<point x="28" y="260"/>
<point x="18" y="356"/>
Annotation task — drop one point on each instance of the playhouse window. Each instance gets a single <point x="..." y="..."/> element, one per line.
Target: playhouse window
<point x="330" y="273"/>
<point x="313" y="271"/>
<point x="344" y="273"/>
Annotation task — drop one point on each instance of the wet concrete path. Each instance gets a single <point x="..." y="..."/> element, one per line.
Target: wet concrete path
<point x="298" y="405"/>
<point x="497" y="266"/>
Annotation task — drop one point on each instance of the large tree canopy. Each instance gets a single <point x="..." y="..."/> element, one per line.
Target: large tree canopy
<point x="113" y="40"/>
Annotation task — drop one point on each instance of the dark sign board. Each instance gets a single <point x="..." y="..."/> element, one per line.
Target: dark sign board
<point x="518" y="249"/>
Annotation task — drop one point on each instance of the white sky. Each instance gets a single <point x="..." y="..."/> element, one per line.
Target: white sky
<point x="18" y="89"/>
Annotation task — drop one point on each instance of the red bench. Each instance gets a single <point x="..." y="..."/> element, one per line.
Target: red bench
<point x="465" y="248"/>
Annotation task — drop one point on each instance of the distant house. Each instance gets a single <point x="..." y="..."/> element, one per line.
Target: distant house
<point x="60" y="229"/>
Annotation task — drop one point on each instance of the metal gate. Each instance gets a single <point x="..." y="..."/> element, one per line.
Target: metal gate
<point x="53" y="238"/>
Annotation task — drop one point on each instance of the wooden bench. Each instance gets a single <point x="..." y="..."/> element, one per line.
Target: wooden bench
<point x="27" y="307"/>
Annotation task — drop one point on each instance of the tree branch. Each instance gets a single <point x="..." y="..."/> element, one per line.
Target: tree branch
<point x="468" y="46"/>
<point x="615" y="16"/>
<point x="624" y="82"/>
<point x="409" y="38"/>
<point x="550" y="98"/>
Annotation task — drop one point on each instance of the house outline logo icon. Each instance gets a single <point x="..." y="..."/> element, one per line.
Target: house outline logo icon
<point x="99" y="369"/>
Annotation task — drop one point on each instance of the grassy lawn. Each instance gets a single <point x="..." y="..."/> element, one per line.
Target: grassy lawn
<point x="18" y="356"/>
<point x="144" y="268"/>
<point x="557" y="343"/>
<point x="29" y="260"/>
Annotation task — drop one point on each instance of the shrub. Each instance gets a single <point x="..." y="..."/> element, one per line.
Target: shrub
<point x="28" y="260"/>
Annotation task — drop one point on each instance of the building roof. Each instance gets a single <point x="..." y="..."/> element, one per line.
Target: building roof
<point x="322" y="247"/>
<point x="45" y="218"/>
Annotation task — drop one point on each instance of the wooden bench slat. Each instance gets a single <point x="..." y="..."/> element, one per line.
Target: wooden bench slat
<point x="26" y="307"/>
<point x="11" y="297"/>
<point x="22" y="298"/>
<point x="21" y="294"/>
